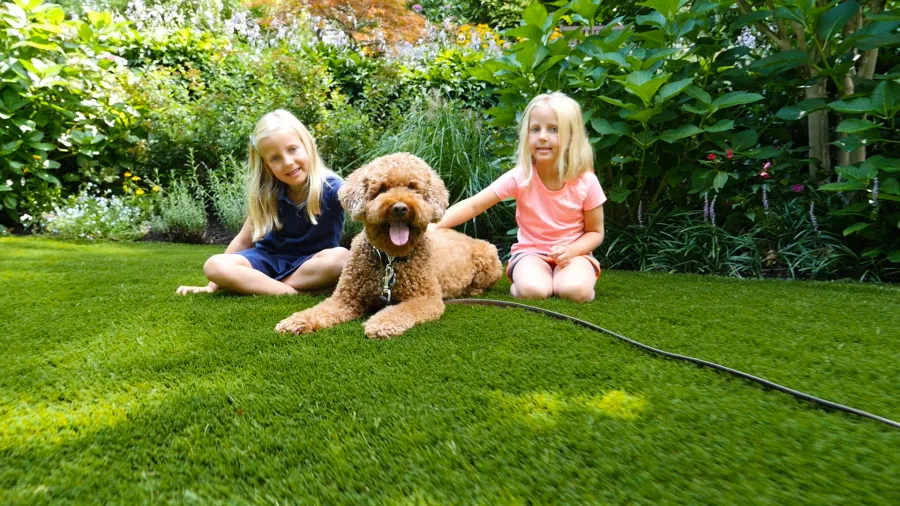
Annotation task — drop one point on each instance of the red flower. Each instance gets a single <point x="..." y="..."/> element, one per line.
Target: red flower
<point x="797" y="188"/>
<point x="729" y="154"/>
<point x="711" y="156"/>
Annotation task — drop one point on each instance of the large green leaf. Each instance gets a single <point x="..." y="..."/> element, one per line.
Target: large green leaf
<point x="681" y="132"/>
<point x="735" y="98"/>
<point x="604" y="127"/>
<point x="655" y="18"/>
<point x="801" y="109"/>
<point x="886" y="99"/>
<point x="843" y="186"/>
<point x="780" y="62"/>
<point x="720" y="126"/>
<point x="720" y="179"/>
<point x="643" y="84"/>
<point x="859" y="105"/>
<point x="672" y="89"/>
<point x="854" y="125"/>
<point x="855" y="228"/>
<point x="744" y="140"/>
<point x="666" y="7"/>
<point x="535" y="14"/>
<point x="835" y="18"/>
<point x="698" y="93"/>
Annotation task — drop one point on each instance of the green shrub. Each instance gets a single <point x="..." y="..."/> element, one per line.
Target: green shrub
<point x="228" y="193"/>
<point x="91" y="215"/>
<point x="182" y="210"/>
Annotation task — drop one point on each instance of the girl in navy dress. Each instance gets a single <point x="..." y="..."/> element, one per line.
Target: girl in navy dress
<point x="289" y="243"/>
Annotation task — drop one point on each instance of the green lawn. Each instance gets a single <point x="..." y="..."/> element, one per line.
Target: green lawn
<point x="113" y="389"/>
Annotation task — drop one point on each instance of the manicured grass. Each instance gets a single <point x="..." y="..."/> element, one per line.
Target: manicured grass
<point x="113" y="389"/>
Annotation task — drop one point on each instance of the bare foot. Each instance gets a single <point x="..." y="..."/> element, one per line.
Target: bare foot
<point x="185" y="290"/>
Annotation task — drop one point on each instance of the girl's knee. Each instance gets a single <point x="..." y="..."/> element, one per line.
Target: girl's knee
<point x="576" y="292"/>
<point x="531" y="290"/>
<point x="334" y="259"/>
<point x="214" y="267"/>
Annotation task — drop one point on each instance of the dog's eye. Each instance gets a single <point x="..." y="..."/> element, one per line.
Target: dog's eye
<point x="382" y="189"/>
<point x="413" y="186"/>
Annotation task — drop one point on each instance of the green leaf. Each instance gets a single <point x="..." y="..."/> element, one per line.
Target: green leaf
<point x="749" y="18"/>
<point x="617" y="102"/>
<point x="894" y="256"/>
<point x="666" y="7"/>
<point x="720" y="126"/>
<point x="780" y="62"/>
<point x="655" y="18"/>
<point x="619" y="194"/>
<point x="744" y="140"/>
<point x="890" y="186"/>
<point x="535" y="14"/>
<point x="835" y="19"/>
<point x="720" y="180"/>
<point x="860" y="105"/>
<point x="604" y="127"/>
<point x="698" y="93"/>
<point x="529" y="32"/>
<point x="616" y="58"/>
<point x="801" y="109"/>
<point x="642" y="116"/>
<point x="672" y="89"/>
<point x="681" y="132"/>
<point x="886" y="99"/>
<point x="644" y="85"/>
<point x="854" y="125"/>
<point x="735" y="98"/>
<point x="855" y="228"/>
<point x="843" y="186"/>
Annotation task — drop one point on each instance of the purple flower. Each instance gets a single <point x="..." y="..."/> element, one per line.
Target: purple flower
<point x="765" y="199"/>
<point x="417" y="8"/>
<point x="875" y="193"/>
<point x="812" y="216"/>
<point x="797" y="188"/>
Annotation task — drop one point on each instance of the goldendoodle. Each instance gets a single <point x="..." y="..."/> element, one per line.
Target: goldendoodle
<point x="395" y="265"/>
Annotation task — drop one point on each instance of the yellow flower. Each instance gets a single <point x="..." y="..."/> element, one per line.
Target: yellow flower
<point x="25" y="170"/>
<point x="156" y="188"/>
<point x="36" y="157"/>
<point x="139" y="191"/>
<point x="127" y="174"/>
<point x="135" y="178"/>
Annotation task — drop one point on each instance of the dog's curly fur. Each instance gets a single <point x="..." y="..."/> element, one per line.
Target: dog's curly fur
<point x="439" y="264"/>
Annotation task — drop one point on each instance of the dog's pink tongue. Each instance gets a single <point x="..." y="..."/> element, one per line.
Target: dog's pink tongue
<point x="399" y="233"/>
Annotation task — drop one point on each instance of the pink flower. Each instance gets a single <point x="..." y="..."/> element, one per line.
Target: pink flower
<point x="764" y="175"/>
<point x="797" y="188"/>
<point x="711" y="156"/>
<point x="417" y="8"/>
<point x="767" y="165"/>
<point x="729" y="154"/>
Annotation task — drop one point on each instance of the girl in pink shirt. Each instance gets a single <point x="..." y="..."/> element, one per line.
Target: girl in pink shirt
<point x="559" y="204"/>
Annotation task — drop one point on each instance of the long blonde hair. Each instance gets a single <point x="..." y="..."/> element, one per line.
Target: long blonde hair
<point x="264" y="188"/>
<point x="576" y="155"/>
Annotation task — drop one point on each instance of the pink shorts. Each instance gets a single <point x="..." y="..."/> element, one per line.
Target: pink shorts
<point x="513" y="260"/>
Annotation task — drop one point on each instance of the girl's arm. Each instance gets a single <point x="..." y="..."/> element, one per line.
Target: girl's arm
<point x="465" y="210"/>
<point x="243" y="240"/>
<point x="593" y="236"/>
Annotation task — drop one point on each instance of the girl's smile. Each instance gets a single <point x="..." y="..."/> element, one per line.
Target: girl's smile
<point x="543" y="135"/>
<point x="286" y="157"/>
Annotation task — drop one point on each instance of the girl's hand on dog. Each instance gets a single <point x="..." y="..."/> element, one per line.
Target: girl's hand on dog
<point x="185" y="290"/>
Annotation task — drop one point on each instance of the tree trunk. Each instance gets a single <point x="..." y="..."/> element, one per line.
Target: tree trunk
<point x="818" y="131"/>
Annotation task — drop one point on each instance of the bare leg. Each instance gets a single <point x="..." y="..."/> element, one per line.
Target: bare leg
<point x="319" y="272"/>
<point x="234" y="273"/>
<point x="575" y="281"/>
<point x="532" y="279"/>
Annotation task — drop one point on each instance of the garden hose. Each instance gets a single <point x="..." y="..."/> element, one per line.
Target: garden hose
<point x="761" y="381"/>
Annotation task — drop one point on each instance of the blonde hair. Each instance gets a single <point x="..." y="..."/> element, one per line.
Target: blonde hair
<point x="576" y="155"/>
<point x="264" y="188"/>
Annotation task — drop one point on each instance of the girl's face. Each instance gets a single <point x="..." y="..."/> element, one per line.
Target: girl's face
<point x="543" y="136"/>
<point x="285" y="156"/>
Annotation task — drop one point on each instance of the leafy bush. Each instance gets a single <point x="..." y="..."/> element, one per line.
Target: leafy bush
<point x="89" y="215"/>
<point x="63" y="109"/>
<point x="182" y="212"/>
<point x="228" y="193"/>
<point x="344" y="136"/>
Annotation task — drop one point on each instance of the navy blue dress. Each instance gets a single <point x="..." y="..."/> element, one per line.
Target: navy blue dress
<point x="281" y="252"/>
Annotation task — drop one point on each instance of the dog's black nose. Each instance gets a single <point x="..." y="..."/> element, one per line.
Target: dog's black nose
<point x="399" y="209"/>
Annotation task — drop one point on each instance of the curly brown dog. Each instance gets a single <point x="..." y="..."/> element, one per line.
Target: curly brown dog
<point x="395" y="263"/>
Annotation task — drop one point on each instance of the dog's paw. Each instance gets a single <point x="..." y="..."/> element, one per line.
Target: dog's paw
<point x="297" y="323"/>
<point x="382" y="330"/>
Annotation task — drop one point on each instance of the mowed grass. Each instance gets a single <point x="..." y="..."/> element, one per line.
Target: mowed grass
<point x="113" y="389"/>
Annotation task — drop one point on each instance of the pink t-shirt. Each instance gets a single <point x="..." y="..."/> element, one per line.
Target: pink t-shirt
<point x="548" y="218"/>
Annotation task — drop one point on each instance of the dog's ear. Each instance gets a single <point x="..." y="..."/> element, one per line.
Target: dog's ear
<point x="354" y="191"/>
<point x="437" y="196"/>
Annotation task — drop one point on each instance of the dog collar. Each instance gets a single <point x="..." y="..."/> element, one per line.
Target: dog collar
<point x="390" y="276"/>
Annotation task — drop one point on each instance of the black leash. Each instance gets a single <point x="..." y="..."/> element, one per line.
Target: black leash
<point x="713" y="365"/>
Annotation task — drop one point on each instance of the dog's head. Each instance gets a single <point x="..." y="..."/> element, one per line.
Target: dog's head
<point x="395" y="197"/>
